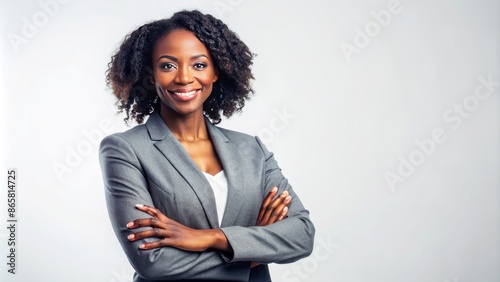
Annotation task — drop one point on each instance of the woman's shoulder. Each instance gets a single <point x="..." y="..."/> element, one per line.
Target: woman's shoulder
<point x="236" y="135"/>
<point x="131" y="135"/>
<point x="243" y="140"/>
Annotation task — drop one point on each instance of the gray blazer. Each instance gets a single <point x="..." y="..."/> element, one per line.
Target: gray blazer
<point x="148" y="165"/>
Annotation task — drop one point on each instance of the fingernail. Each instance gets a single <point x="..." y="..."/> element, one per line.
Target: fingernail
<point x="142" y="246"/>
<point x="274" y="190"/>
<point x="139" y="205"/>
<point x="288" y="198"/>
<point x="285" y="209"/>
<point x="131" y="236"/>
<point x="130" y="224"/>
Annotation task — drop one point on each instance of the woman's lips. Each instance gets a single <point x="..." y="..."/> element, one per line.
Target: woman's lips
<point x="184" y="95"/>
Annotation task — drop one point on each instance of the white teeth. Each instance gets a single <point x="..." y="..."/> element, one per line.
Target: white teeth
<point x="185" y="94"/>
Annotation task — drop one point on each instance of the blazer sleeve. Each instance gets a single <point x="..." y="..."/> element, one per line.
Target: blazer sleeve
<point x="282" y="242"/>
<point x="125" y="186"/>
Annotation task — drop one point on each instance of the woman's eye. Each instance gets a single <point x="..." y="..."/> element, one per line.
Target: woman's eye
<point x="200" y="65"/>
<point x="168" y="66"/>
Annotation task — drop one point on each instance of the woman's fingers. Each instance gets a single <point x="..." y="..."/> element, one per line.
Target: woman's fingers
<point x="159" y="229"/>
<point x="153" y="232"/>
<point x="176" y="242"/>
<point x="283" y="214"/>
<point x="278" y="207"/>
<point x="174" y="235"/>
<point x="266" y="202"/>
<point x="155" y="244"/>
<point x="275" y="210"/>
<point x="169" y="232"/>
<point x="144" y="222"/>
<point x="152" y="211"/>
<point x="157" y="216"/>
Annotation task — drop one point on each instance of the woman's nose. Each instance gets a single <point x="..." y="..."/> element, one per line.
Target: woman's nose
<point x="184" y="75"/>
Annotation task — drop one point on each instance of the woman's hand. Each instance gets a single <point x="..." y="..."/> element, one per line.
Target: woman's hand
<point x="174" y="234"/>
<point x="273" y="210"/>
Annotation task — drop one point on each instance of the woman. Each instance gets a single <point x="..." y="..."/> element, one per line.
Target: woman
<point x="189" y="200"/>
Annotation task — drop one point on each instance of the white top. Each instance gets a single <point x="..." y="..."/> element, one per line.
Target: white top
<point x="219" y="185"/>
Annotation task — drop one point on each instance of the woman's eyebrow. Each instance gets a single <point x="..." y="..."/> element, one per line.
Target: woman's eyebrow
<point x="168" y="57"/>
<point x="175" y="59"/>
<point x="199" y="56"/>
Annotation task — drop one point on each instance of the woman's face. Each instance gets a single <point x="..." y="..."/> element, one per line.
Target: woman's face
<point x="183" y="73"/>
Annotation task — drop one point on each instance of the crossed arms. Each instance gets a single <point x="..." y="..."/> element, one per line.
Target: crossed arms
<point x="161" y="248"/>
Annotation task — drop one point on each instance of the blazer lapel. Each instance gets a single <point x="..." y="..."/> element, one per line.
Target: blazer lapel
<point x="172" y="149"/>
<point x="228" y="155"/>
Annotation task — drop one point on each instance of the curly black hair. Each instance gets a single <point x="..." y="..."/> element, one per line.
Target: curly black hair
<point x="131" y="66"/>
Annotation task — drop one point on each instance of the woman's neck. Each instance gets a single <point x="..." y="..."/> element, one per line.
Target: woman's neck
<point x="186" y="128"/>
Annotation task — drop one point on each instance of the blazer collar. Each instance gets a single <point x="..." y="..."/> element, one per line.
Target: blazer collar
<point x="175" y="153"/>
<point x="157" y="128"/>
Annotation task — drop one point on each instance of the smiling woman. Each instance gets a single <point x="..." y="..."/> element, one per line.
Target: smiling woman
<point x="219" y="207"/>
<point x="183" y="74"/>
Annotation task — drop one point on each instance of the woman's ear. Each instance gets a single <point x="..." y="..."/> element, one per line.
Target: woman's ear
<point x="149" y="75"/>
<point x="216" y="76"/>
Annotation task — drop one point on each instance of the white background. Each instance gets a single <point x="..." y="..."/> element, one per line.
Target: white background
<point x="352" y="120"/>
